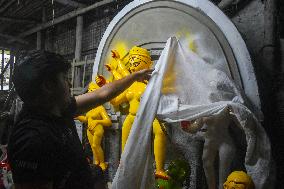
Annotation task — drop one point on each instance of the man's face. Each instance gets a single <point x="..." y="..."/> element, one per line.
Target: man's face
<point x="63" y="93"/>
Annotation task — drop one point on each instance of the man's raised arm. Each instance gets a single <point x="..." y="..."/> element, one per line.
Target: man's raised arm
<point x="87" y="101"/>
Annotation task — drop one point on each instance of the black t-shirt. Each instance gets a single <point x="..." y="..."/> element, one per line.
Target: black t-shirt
<point x="45" y="147"/>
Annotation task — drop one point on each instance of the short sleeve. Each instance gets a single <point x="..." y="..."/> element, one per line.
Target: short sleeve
<point x="32" y="157"/>
<point x="72" y="108"/>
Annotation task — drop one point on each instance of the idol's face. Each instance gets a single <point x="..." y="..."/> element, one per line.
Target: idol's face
<point x="235" y="185"/>
<point x="137" y="63"/>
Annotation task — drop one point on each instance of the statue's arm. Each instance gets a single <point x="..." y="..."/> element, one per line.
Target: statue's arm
<point x="82" y="118"/>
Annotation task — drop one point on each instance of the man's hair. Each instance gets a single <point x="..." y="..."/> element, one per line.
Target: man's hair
<point x="35" y="68"/>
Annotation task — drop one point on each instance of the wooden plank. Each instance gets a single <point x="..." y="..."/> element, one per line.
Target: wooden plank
<point x="11" y="62"/>
<point x="71" y="3"/>
<point x="2" y="69"/>
<point x="65" y="17"/>
<point x="2" y="2"/>
<point x="81" y="63"/>
<point x="41" y="34"/>
<point x="79" y="36"/>
<point x="84" y="72"/>
<point x="72" y="75"/>
<point x="77" y="90"/>
<point x="7" y="5"/>
<point x="13" y="38"/>
<point x="5" y="68"/>
<point x="269" y="39"/>
<point x="18" y="20"/>
<point x="38" y="40"/>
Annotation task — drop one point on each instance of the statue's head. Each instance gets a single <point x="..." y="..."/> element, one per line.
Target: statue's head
<point x="92" y="87"/>
<point x="139" y="59"/>
<point x="239" y="180"/>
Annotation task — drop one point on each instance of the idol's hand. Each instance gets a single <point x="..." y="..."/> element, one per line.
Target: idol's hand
<point x="92" y="124"/>
<point x="115" y="54"/>
<point x="100" y="80"/>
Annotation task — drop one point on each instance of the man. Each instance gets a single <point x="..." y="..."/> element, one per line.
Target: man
<point x="44" y="149"/>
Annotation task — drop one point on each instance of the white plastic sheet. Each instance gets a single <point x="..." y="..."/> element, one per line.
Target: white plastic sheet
<point x="185" y="87"/>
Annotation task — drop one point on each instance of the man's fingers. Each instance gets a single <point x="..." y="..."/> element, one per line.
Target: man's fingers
<point x="147" y="73"/>
<point x="144" y="74"/>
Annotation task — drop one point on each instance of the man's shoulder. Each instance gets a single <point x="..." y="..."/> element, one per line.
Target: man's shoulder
<point x="31" y="151"/>
<point x="30" y="140"/>
<point x="32" y="126"/>
<point x="30" y="122"/>
<point x="31" y="133"/>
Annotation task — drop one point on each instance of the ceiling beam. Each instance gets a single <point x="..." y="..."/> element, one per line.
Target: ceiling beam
<point x="1" y="2"/>
<point x="13" y="38"/>
<point x="4" y="48"/>
<point x="71" y="3"/>
<point x="7" y="5"/>
<point x="65" y="17"/>
<point x="9" y="19"/>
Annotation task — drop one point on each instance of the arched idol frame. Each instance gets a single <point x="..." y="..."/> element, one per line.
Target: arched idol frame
<point x="149" y="23"/>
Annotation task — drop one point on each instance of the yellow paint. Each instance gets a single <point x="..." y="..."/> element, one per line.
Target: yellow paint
<point x="96" y="119"/>
<point x="169" y="81"/>
<point x="189" y="38"/>
<point x="239" y="180"/>
<point x="139" y="59"/>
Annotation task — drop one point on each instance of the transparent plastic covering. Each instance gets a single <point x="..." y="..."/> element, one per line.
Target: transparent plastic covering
<point x="149" y="23"/>
<point x="186" y="87"/>
<point x="149" y="29"/>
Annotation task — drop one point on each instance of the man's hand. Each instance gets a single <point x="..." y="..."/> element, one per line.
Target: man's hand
<point x="143" y="75"/>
